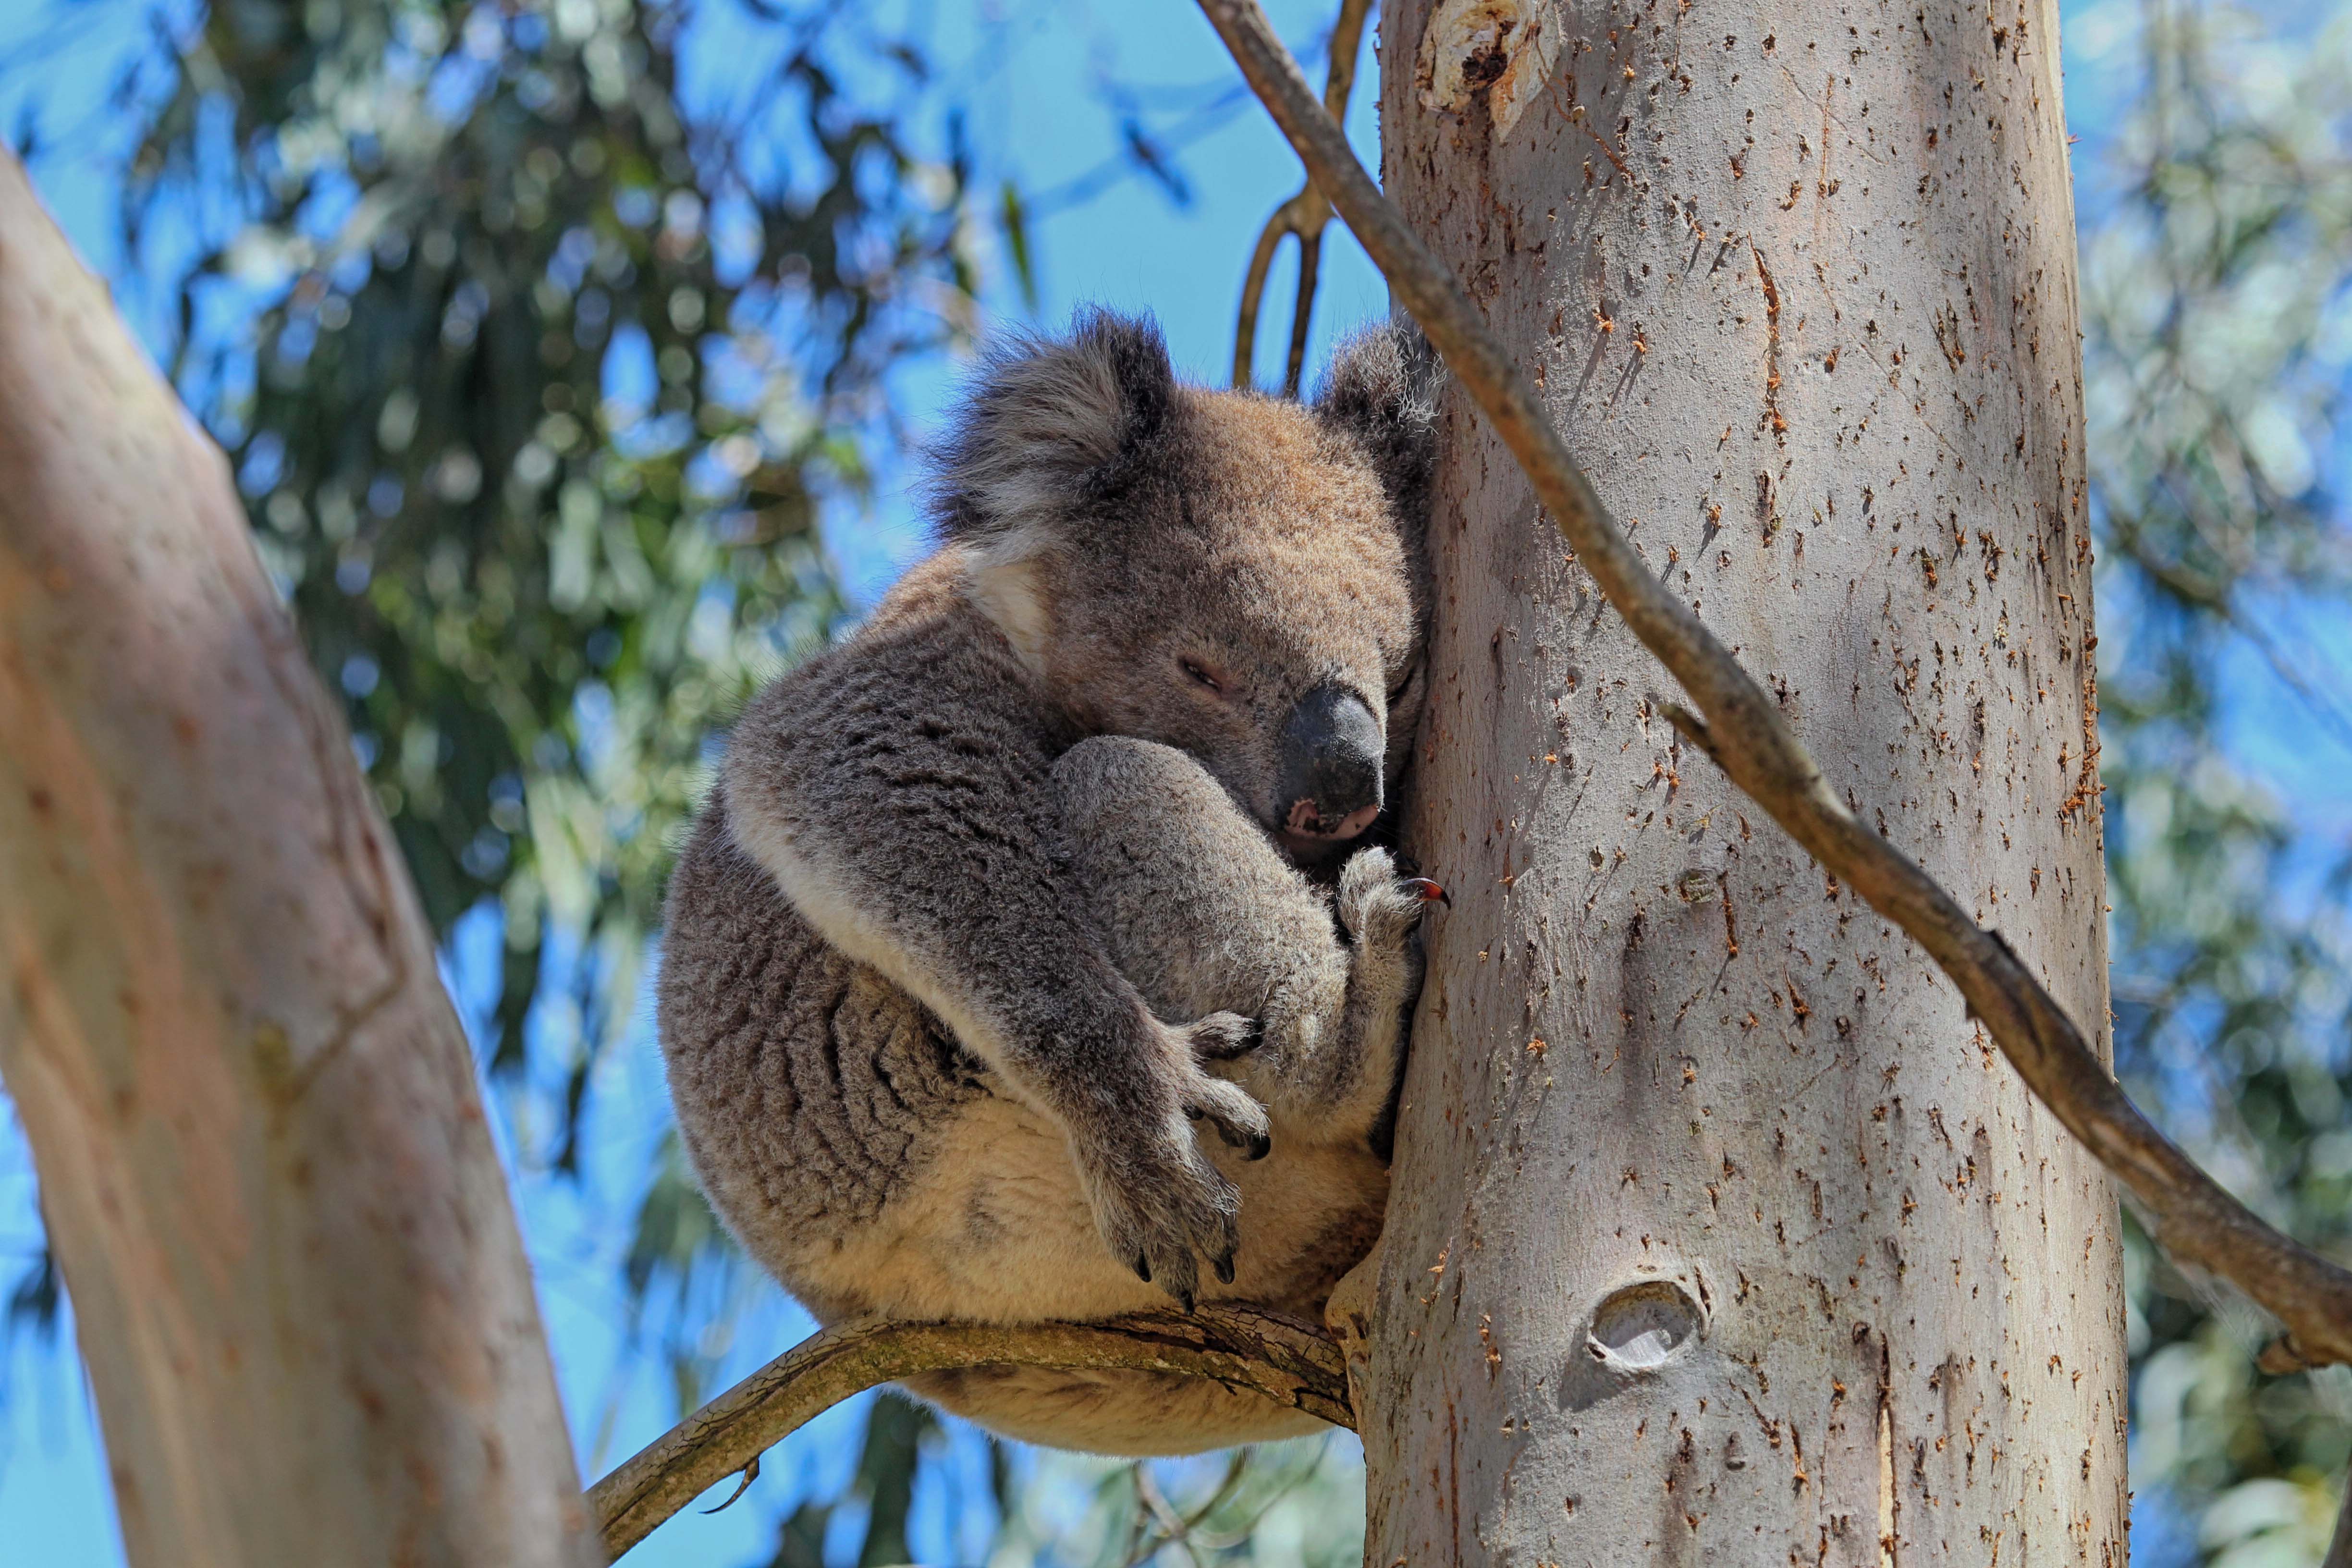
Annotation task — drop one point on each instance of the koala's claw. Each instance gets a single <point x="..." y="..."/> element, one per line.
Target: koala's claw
<point x="1224" y="1268"/>
<point x="1258" y="1145"/>
<point x="1429" y="891"/>
<point x="1167" y="1254"/>
<point x="1239" y="1120"/>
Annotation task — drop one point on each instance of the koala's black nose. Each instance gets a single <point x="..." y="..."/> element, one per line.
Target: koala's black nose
<point x="1332" y="755"/>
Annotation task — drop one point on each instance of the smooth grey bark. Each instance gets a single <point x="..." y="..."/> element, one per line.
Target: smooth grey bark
<point x="299" y="1290"/>
<point x="1720" y="1233"/>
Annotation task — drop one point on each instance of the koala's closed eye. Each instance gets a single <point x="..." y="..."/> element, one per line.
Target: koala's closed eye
<point x="1201" y="674"/>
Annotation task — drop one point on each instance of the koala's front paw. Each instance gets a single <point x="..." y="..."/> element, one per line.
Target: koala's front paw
<point x="1158" y="1201"/>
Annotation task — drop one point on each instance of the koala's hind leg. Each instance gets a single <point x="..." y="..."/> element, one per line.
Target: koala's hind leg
<point x="1202" y="914"/>
<point x="1381" y="913"/>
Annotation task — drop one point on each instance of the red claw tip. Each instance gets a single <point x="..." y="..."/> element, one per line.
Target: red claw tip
<point x="1430" y="892"/>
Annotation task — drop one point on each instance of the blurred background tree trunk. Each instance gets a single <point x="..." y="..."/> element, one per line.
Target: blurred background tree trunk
<point x="1720" y="1231"/>
<point x="304" y="1304"/>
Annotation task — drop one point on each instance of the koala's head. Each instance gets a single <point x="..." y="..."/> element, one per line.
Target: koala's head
<point x="1235" y="575"/>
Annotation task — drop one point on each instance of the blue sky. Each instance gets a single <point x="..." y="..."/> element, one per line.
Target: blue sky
<point x="1128" y="246"/>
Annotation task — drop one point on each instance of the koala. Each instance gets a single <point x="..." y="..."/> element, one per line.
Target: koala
<point x="1058" y="862"/>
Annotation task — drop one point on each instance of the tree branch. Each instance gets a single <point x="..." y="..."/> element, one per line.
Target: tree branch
<point x="1740" y="729"/>
<point x="1302" y="218"/>
<point x="1288" y="1362"/>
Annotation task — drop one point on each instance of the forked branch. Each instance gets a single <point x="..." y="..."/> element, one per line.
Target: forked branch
<point x="1741" y="730"/>
<point x="1290" y="1363"/>
<point x="1302" y="218"/>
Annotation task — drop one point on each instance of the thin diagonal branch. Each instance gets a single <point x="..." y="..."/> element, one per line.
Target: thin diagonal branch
<point x="1290" y="1363"/>
<point x="1739" y="727"/>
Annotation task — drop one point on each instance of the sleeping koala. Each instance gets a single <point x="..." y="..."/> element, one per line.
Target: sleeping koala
<point x="1001" y="897"/>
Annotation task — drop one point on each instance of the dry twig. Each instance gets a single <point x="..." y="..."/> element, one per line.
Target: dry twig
<point x="1739" y="727"/>
<point x="1301" y="217"/>
<point x="1290" y="1363"/>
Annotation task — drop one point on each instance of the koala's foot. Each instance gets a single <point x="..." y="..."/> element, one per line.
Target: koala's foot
<point x="1382" y="912"/>
<point x="1159" y="1202"/>
<point x="1239" y="1120"/>
<point x="1381" y="909"/>
<point x="1223" y="1037"/>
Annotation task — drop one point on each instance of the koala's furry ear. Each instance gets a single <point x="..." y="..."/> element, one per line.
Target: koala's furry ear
<point x="1052" y="422"/>
<point x="1382" y="389"/>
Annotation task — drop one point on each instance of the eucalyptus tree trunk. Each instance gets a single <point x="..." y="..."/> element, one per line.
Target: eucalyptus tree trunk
<point x="1720" y="1231"/>
<point x="301" y="1296"/>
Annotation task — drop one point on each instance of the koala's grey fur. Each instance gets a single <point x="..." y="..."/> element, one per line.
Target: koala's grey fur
<point x="947" y="982"/>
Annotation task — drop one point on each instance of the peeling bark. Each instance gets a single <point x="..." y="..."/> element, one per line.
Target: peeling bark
<point x="301" y="1293"/>
<point x="1722" y="1232"/>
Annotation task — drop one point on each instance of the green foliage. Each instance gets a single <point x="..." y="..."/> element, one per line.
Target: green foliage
<point x="2217" y="288"/>
<point x="534" y="382"/>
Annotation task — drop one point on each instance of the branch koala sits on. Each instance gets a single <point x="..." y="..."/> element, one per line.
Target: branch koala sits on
<point x="1005" y="898"/>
